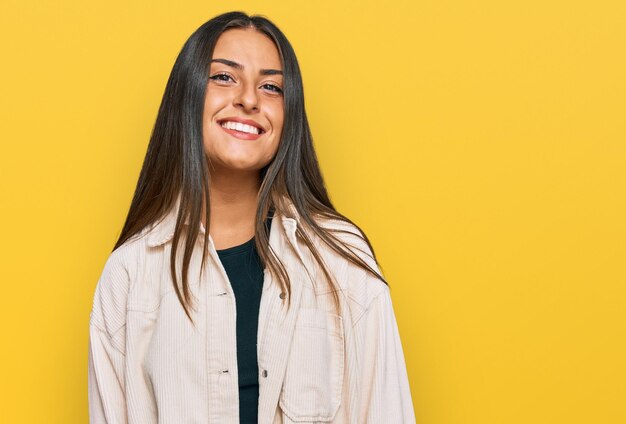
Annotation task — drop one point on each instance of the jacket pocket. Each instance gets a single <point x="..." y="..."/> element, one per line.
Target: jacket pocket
<point x="312" y="388"/>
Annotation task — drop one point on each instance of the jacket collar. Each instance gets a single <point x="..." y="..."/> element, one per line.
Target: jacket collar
<point x="163" y="231"/>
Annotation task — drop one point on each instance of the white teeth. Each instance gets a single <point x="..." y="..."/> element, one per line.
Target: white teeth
<point x="240" y="127"/>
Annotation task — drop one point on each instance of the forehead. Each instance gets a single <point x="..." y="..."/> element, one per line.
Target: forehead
<point x="249" y="47"/>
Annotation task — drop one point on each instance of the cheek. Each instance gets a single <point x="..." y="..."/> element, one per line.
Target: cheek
<point x="278" y="120"/>
<point x="211" y="105"/>
<point x="214" y="101"/>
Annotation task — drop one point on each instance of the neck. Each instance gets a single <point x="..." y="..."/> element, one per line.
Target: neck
<point x="234" y="200"/>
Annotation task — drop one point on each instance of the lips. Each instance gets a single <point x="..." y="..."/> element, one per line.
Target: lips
<point x="243" y="121"/>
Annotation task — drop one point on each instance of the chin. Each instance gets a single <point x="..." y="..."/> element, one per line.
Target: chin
<point x="243" y="166"/>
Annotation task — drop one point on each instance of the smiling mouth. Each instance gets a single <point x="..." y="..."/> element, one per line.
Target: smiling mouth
<point x="241" y="127"/>
<point x="242" y="135"/>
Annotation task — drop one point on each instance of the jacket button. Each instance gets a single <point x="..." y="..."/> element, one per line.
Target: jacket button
<point x="282" y="295"/>
<point x="264" y="373"/>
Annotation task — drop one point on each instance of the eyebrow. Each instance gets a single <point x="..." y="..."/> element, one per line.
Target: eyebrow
<point x="240" y="67"/>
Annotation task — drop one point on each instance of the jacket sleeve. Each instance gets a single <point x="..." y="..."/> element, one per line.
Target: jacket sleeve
<point x="384" y="385"/>
<point x="107" y="331"/>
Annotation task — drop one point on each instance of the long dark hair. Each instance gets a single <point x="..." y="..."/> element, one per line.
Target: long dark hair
<point x="176" y="165"/>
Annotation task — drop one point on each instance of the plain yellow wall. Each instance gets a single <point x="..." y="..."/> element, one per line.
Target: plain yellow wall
<point x="480" y="144"/>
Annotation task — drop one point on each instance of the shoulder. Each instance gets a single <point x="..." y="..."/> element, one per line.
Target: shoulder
<point x="111" y="292"/>
<point x="359" y="284"/>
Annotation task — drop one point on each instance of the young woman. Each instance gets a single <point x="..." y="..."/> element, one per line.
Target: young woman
<point x="236" y="292"/>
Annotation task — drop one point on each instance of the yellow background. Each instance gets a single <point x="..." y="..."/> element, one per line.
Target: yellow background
<point x="480" y="144"/>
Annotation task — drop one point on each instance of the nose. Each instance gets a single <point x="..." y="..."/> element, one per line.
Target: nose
<point x="247" y="98"/>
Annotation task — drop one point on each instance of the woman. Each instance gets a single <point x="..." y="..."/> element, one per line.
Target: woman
<point x="180" y="304"/>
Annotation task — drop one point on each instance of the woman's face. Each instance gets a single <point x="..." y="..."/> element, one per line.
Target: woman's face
<point x="243" y="108"/>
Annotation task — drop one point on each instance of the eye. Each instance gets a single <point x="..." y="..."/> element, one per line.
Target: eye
<point x="218" y="77"/>
<point x="273" y="87"/>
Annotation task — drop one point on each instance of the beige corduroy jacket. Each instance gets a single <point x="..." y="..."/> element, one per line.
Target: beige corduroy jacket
<point x="149" y="364"/>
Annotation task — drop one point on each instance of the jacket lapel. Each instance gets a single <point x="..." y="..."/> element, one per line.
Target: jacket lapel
<point x="276" y="323"/>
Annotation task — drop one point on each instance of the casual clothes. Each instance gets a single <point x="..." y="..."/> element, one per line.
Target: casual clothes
<point x="149" y="364"/>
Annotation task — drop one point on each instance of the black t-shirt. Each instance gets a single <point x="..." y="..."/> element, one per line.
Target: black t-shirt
<point x="245" y="273"/>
